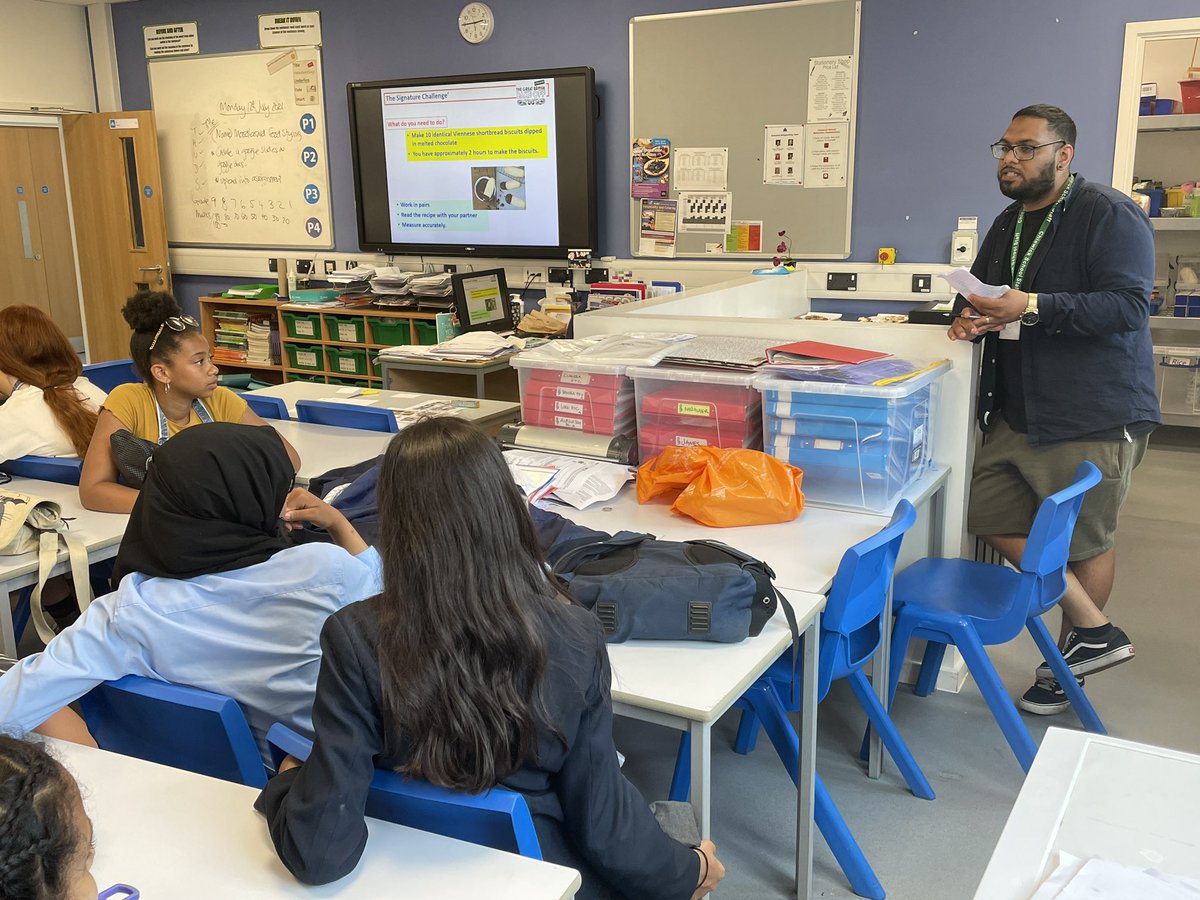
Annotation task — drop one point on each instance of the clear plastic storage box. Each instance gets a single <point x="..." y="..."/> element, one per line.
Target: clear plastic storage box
<point x="689" y="407"/>
<point x="594" y="398"/>
<point x="1178" y="372"/>
<point x="859" y="446"/>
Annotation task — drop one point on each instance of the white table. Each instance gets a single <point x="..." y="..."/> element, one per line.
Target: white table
<point x="479" y="367"/>
<point x="101" y="534"/>
<point x="488" y="414"/>
<point x="174" y="834"/>
<point x="325" y="447"/>
<point x="804" y="554"/>
<point x="1090" y="795"/>
<point x="688" y="685"/>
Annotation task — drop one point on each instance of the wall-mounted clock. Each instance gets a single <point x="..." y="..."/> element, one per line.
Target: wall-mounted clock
<point x="476" y="22"/>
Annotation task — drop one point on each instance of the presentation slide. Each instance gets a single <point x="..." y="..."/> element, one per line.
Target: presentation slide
<point x="475" y="160"/>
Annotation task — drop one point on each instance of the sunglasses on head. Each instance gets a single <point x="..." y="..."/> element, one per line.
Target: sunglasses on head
<point x="175" y="323"/>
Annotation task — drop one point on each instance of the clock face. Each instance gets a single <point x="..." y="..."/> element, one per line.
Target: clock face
<point x="476" y="22"/>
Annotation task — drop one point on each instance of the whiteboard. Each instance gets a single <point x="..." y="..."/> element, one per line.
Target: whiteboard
<point x="241" y="139"/>
<point x="715" y="79"/>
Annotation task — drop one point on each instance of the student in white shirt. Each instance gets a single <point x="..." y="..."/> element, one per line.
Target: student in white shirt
<point x="49" y="408"/>
<point x="213" y="591"/>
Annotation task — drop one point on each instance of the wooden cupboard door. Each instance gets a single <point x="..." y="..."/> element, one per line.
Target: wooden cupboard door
<point x="120" y="223"/>
<point x="20" y="240"/>
<point x="54" y="226"/>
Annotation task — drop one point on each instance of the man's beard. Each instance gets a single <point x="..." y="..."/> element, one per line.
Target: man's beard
<point x="1031" y="188"/>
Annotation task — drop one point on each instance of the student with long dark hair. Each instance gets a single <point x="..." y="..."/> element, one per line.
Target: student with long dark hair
<point x="45" y="836"/>
<point x="471" y="670"/>
<point x="47" y="406"/>
<point x="179" y="389"/>
<point x="213" y="593"/>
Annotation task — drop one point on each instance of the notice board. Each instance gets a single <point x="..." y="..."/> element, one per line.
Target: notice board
<point x="716" y="78"/>
<point x="242" y="142"/>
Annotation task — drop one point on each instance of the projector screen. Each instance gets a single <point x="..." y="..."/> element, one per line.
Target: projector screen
<point x="501" y="164"/>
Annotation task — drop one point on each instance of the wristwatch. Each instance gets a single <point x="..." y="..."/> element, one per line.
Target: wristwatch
<point x="1031" y="315"/>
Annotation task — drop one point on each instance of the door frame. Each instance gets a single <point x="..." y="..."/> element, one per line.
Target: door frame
<point x="20" y="120"/>
<point x="1137" y="35"/>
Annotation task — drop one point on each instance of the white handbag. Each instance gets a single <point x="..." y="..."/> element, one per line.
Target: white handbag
<point x="29" y="524"/>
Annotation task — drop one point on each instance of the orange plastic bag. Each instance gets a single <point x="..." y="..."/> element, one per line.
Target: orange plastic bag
<point x="724" y="488"/>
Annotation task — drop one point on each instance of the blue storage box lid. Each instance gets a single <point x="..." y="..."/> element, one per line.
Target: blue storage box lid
<point x="796" y="381"/>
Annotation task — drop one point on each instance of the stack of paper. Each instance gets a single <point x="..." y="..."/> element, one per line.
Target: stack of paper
<point x="470" y="347"/>
<point x="437" y="284"/>
<point x="569" y="479"/>
<point x="1097" y="879"/>
<point x="259" y="343"/>
<point x="357" y="278"/>
<point x="392" y="280"/>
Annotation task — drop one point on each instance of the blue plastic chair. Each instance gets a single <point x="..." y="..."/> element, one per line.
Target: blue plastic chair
<point x="107" y="375"/>
<point x="178" y="726"/>
<point x="974" y="605"/>
<point x="267" y="407"/>
<point x="344" y="415"/>
<point x="498" y="818"/>
<point x="851" y="633"/>
<point x="60" y="469"/>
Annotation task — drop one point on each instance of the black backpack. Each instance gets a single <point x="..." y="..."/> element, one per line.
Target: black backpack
<point x="641" y="587"/>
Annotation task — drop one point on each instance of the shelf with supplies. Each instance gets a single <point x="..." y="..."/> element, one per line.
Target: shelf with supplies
<point x="1185" y="122"/>
<point x="243" y="335"/>
<point x="338" y="345"/>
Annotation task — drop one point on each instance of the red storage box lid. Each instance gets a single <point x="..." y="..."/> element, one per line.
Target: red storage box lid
<point x="593" y="379"/>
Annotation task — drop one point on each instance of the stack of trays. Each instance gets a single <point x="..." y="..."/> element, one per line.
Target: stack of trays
<point x="592" y="398"/>
<point x="859" y="446"/>
<point x="690" y="407"/>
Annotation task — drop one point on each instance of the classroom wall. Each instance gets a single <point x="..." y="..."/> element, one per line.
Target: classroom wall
<point x="44" y="57"/>
<point x="938" y="83"/>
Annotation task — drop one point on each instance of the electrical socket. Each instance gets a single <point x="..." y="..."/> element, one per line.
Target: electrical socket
<point x="351" y="263"/>
<point x="330" y="266"/>
<point x="304" y="266"/>
<point x="534" y="275"/>
<point x="557" y="275"/>
<point x="271" y="265"/>
<point x="449" y="267"/>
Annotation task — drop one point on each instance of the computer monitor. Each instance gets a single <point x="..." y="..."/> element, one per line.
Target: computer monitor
<point x="481" y="301"/>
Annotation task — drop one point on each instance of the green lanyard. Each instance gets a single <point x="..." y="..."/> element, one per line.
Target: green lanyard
<point x="1019" y="273"/>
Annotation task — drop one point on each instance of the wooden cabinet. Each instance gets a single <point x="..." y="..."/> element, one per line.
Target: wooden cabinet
<point x="223" y="318"/>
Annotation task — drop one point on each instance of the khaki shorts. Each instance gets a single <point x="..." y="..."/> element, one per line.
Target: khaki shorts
<point x="1011" y="479"/>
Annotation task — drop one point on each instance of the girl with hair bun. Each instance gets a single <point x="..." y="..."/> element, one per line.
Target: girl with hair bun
<point x="46" y="847"/>
<point x="47" y="407"/>
<point x="179" y="389"/>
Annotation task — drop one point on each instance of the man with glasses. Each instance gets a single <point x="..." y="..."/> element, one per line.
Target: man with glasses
<point x="1067" y="373"/>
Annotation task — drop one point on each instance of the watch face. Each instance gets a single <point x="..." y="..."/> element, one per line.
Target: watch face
<point x="476" y="22"/>
<point x="1030" y="318"/>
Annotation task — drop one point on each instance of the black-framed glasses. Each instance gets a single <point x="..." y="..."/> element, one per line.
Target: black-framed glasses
<point x="1023" y="152"/>
<point x="175" y="323"/>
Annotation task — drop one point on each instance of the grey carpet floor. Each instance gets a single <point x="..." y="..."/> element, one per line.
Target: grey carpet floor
<point x="937" y="850"/>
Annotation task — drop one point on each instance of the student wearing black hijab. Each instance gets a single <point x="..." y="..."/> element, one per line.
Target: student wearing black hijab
<point x="213" y="591"/>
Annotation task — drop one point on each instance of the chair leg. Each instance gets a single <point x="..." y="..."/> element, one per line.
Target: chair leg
<point x="21" y="613"/>
<point x="783" y="737"/>
<point x="931" y="664"/>
<point x="902" y="629"/>
<point x="1002" y="706"/>
<point x="878" y="716"/>
<point x="747" y="733"/>
<point x="845" y="848"/>
<point x="681" y="779"/>
<point x="1054" y="658"/>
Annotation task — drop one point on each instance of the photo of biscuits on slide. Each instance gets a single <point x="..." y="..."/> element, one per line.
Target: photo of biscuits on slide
<point x="498" y="187"/>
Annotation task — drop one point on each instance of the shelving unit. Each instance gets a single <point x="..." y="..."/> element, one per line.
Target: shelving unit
<point x="1167" y="148"/>
<point x="337" y="346"/>
<point x="208" y="326"/>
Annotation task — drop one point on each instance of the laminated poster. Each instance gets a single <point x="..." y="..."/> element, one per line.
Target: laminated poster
<point x="783" y="154"/>
<point x="744" y="237"/>
<point x="657" y="231"/>
<point x="830" y="84"/>
<point x="825" y="155"/>
<point x="650" y="163"/>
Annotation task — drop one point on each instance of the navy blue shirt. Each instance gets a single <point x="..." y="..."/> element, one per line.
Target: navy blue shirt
<point x="1087" y="368"/>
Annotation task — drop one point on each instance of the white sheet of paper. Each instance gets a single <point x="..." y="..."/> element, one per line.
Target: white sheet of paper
<point x="966" y="284"/>
<point x="826" y="154"/>
<point x="578" y="482"/>
<point x="783" y="154"/>
<point x="830" y="84"/>
<point x="701" y="168"/>
<point x="1102" y="879"/>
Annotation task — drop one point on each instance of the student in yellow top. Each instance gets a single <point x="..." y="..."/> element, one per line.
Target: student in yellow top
<point x="179" y="390"/>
